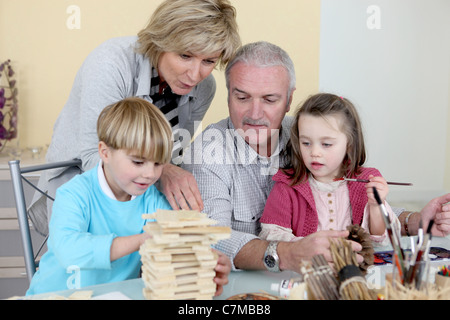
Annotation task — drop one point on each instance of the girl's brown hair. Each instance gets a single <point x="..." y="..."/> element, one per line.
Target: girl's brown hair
<point x="320" y="105"/>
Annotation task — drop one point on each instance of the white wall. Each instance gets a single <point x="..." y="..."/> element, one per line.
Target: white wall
<point x="392" y="59"/>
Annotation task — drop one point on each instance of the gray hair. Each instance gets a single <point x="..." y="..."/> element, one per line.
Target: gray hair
<point x="263" y="54"/>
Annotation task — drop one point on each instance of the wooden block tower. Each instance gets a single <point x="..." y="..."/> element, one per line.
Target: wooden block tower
<point x="177" y="260"/>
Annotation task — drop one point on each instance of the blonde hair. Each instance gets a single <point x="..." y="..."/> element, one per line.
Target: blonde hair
<point x="136" y="125"/>
<point x="196" y="26"/>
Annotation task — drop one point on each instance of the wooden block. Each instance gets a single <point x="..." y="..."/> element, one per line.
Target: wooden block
<point x="149" y="277"/>
<point x="183" y="257"/>
<point x="209" y="288"/>
<point x="173" y="286"/>
<point x="151" y="295"/>
<point x="182" y="271"/>
<point x="156" y="283"/>
<point x="171" y="258"/>
<point x="179" y="218"/>
<point x="185" y="291"/>
<point x="206" y="255"/>
<point x="185" y="248"/>
<point x="171" y="239"/>
<point x="208" y="263"/>
<point x="172" y="266"/>
<point x="198" y="230"/>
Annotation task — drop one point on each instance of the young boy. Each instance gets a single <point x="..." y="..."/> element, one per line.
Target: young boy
<point x="96" y="225"/>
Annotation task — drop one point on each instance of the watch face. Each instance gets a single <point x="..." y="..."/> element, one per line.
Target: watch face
<point x="270" y="261"/>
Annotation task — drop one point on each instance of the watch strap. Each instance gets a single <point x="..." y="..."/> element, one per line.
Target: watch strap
<point x="272" y="256"/>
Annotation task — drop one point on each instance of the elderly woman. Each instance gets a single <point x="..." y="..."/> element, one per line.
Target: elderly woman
<point x="169" y="64"/>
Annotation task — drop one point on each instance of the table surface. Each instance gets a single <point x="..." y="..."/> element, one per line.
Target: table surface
<point x="241" y="282"/>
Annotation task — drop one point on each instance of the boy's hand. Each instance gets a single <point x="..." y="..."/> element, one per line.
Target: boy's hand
<point x="222" y="269"/>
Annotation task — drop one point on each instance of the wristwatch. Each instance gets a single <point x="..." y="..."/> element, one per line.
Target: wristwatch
<point x="271" y="259"/>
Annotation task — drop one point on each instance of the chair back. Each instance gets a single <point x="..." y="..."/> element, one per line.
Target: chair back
<point x="17" y="179"/>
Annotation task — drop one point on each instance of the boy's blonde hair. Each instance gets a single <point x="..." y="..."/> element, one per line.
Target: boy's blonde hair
<point x="195" y="26"/>
<point x="136" y="125"/>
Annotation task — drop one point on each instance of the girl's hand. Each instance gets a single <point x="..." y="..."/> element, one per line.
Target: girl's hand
<point x="382" y="187"/>
<point x="376" y="222"/>
<point x="222" y="269"/>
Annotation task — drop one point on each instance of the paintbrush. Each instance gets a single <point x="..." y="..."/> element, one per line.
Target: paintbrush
<point x="416" y="246"/>
<point x="398" y="254"/>
<point x="409" y="277"/>
<point x="424" y="266"/>
<point x="367" y="181"/>
<point x="421" y="254"/>
<point x="420" y="234"/>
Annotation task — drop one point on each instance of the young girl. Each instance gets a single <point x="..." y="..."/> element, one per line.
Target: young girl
<point x="96" y="225"/>
<point x="326" y="145"/>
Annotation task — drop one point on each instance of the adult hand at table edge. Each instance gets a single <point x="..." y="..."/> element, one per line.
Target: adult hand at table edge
<point x="222" y="269"/>
<point x="439" y="210"/>
<point x="180" y="188"/>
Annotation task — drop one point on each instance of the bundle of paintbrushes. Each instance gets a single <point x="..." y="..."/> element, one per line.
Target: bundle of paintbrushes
<point x="347" y="281"/>
<point x="320" y="279"/>
<point x="412" y="271"/>
<point x="352" y="283"/>
<point x="358" y="234"/>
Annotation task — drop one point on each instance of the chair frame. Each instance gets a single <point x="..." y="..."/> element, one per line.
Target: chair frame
<point x="16" y="178"/>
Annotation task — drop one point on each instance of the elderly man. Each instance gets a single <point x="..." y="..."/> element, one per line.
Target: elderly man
<point x="234" y="160"/>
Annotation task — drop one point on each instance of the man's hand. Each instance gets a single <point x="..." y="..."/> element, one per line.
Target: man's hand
<point x="439" y="210"/>
<point x="292" y="253"/>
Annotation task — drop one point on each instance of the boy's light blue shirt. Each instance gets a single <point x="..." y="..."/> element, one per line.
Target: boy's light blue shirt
<point x="83" y="225"/>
